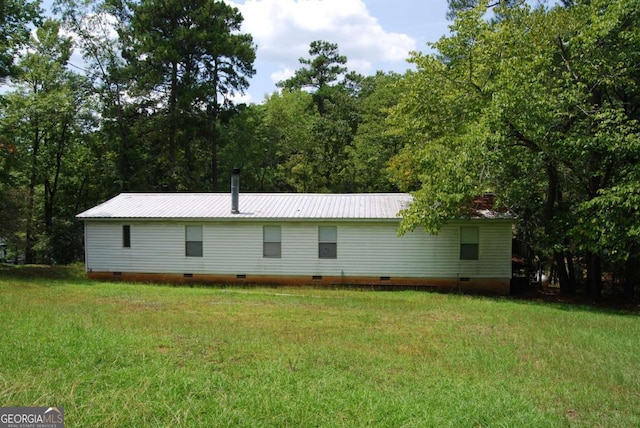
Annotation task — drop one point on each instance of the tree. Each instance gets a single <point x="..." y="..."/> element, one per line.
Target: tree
<point x="287" y="128"/>
<point x="101" y="31"/>
<point x="546" y="94"/>
<point x="15" y="18"/>
<point x="42" y="118"/>
<point x="333" y="91"/>
<point x="325" y="68"/>
<point x="189" y="59"/>
<point x="602" y="62"/>
<point x="373" y="146"/>
<point x="438" y="114"/>
<point x="456" y="7"/>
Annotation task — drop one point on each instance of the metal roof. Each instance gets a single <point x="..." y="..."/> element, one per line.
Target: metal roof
<point x="281" y="206"/>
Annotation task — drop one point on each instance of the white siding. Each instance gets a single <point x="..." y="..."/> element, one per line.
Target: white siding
<point x="364" y="249"/>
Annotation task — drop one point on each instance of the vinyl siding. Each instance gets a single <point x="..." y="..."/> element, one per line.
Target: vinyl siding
<point x="364" y="249"/>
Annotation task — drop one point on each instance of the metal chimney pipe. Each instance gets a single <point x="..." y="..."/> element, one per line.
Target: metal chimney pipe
<point x="235" y="190"/>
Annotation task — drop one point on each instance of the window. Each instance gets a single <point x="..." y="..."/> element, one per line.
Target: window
<point x="272" y="242"/>
<point x="469" y="243"/>
<point x="193" y="246"/>
<point x="126" y="236"/>
<point x="328" y="242"/>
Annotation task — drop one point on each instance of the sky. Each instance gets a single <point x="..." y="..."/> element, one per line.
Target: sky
<point x="373" y="34"/>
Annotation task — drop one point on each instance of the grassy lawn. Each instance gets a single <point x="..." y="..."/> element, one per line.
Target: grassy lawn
<point x="116" y="355"/>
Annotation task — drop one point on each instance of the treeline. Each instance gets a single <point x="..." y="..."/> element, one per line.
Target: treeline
<point x="538" y="105"/>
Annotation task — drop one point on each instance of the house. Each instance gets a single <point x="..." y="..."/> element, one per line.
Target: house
<point x="328" y="239"/>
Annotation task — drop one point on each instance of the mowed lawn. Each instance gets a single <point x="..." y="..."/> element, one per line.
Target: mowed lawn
<point x="127" y="355"/>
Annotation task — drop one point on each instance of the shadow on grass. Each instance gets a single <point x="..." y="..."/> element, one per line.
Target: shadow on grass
<point x="34" y="272"/>
<point x="615" y="305"/>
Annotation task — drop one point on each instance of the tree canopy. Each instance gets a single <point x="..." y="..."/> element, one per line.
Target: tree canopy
<point x="539" y="107"/>
<point x="16" y="16"/>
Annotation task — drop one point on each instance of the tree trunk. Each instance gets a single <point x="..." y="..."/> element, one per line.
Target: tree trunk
<point x="572" y="270"/>
<point x="79" y="197"/>
<point x="214" y="160"/>
<point x="213" y="145"/>
<point x="594" y="276"/>
<point x="124" y="154"/>
<point x="554" y="196"/>
<point x="172" y="149"/>
<point x="50" y="189"/>
<point x="567" y="287"/>
<point x="29" y="251"/>
<point x="213" y="110"/>
<point x="48" y="207"/>
<point x="631" y="276"/>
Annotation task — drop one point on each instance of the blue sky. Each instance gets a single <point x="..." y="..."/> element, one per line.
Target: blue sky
<point x="372" y="34"/>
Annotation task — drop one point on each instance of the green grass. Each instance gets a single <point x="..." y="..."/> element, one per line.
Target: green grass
<point x="116" y="354"/>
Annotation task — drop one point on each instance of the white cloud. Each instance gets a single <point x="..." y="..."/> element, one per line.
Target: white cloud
<point x="280" y="75"/>
<point x="242" y="99"/>
<point x="283" y="30"/>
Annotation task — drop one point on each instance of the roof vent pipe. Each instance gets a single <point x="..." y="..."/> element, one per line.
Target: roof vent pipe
<point x="235" y="190"/>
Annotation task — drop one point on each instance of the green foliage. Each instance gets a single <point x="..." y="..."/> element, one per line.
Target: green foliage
<point x="188" y="59"/>
<point x="47" y="117"/>
<point x="457" y="7"/>
<point x="287" y="144"/>
<point x="539" y="106"/>
<point x="288" y="126"/>
<point x="447" y="155"/>
<point x="102" y="30"/>
<point x="325" y="66"/>
<point x="15" y="18"/>
<point x="334" y="157"/>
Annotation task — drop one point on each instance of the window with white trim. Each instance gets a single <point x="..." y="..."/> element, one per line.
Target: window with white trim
<point x="193" y="241"/>
<point x="328" y="242"/>
<point x="272" y="242"/>
<point x="469" y="243"/>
